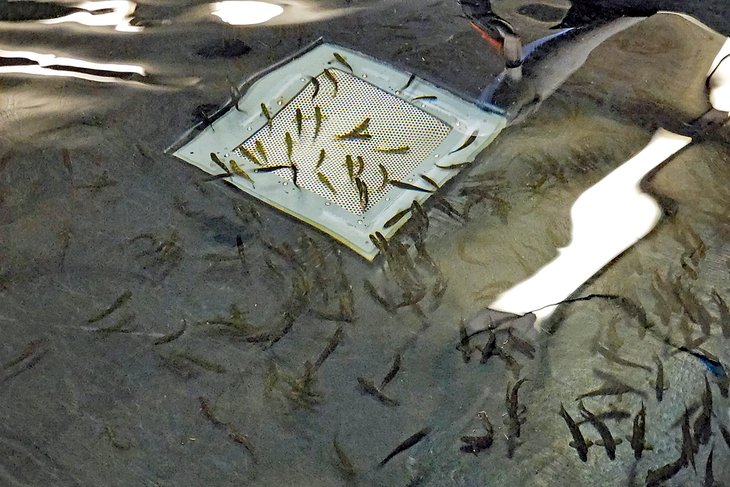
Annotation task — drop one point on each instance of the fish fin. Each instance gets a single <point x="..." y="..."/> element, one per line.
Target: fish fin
<point x="589" y="443"/>
<point x="619" y="441"/>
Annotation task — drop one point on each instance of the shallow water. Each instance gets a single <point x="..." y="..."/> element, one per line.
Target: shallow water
<point x="93" y="211"/>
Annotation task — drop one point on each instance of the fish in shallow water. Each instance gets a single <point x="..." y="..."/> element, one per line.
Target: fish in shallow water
<point x="359" y="132"/>
<point x="639" y="432"/>
<point x="299" y="118"/>
<point x="340" y="59"/>
<point x="315" y="86"/>
<point x="609" y="443"/>
<point x="409" y="442"/>
<point x="661" y="384"/>
<point x="318" y="117"/>
<point x="333" y="79"/>
<point x="267" y="115"/>
<point x="289" y="145"/>
<point x="579" y="442"/>
<point x="408" y="186"/>
<point x="325" y="180"/>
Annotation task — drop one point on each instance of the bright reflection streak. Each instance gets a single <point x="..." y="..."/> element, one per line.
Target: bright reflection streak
<point x="719" y="83"/>
<point x="120" y="17"/>
<point x="246" y="13"/>
<point x="606" y="219"/>
<point x="46" y="60"/>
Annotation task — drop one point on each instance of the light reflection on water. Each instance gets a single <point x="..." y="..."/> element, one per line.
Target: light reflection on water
<point x="51" y="65"/>
<point x="120" y="16"/>
<point x="246" y="13"/>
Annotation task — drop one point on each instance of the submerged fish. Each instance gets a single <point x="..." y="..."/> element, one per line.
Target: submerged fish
<point x="609" y="443"/>
<point x="402" y="185"/>
<point x="470" y="140"/>
<point x="267" y="115"/>
<point x="333" y="79"/>
<point x="406" y="444"/>
<point x="250" y="155"/>
<point x="214" y="157"/>
<point x="299" y="118"/>
<point x="240" y="172"/>
<point x="315" y="85"/>
<point x="289" y="145"/>
<point x="318" y="117"/>
<point x="579" y="442"/>
<point x="343" y="61"/>
<point x="639" y="432"/>
<point x="403" y="149"/>
<point x="325" y="180"/>
<point x="359" y="132"/>
<point x="320" y="160"/>
<point x="261" y="150"/>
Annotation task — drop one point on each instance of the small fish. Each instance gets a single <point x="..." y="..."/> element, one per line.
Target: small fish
<point x="362" y="190"/>
<point x="343" y="61"/>
<point x="392" y="372"/>
<point x="523" y="346"/>
<point x="402" y="185"/>
<point x="467" y="143"/>
<point x="171" y="336"/>
<point x="509" y="361"/>
<point x="318" y="117"/>
<point x="688" y="446"/>
<point x="725" y="434"/>
<point x="396" y="218"/>
<point x="250" y="155"/>
<point x="724" y="313"/>
<point x="345" y="464"/>
<point x="489" y="346"/>
<point x="660" y="385"/>
<point x="267" y="115"/>
<point x="429" y="181"/>
<point x="299" y="118"/>
<point x="612" y="356"/>
<point x="384" y="174"/>
<point x="476" y="444"/>
<point x="370" y="388"/>
<point x="709" y="475"/>
<point x="333" y="79"/>
<point x="237" y="169"/>
<point x="513" y="407"/>
<point x="358" y="132"/>
<point x="579" y="442"/>
<point x="703" y="423"/>
<point x="331" y="346"/>
<point x="241" y="253"/>
<point x="406" y="444"/>
<point x="408" y="83"/>
<point x="272" y="168"/>
<point x="712" y="364"/>
<point x="118" y="303"/>
<point x="350" y="165"/>
<point x="217" y="161"/>
<point x="655" y="478"/>
<point x="320" y="160"/>
<point x="639" y="432"/>
<point x="325" y="180"/>
<point x="360" y="166"/>
<point x="403" y="149"/>
<point x="294" y="175"/>
<point x="289" y="145"/>
<point x="241" y="439"/>
<point x="457" y="165"/>
<point x="260" y="149"/>
<point x="609" y="443"/>
<point x="386" y="305"/>
<point x="616" y="389"/>
<point x="425" y="98"/>
<point x="315" y="84"/>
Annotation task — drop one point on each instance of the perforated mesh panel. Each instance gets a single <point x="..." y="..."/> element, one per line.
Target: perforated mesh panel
<point x="394" y="123"/>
